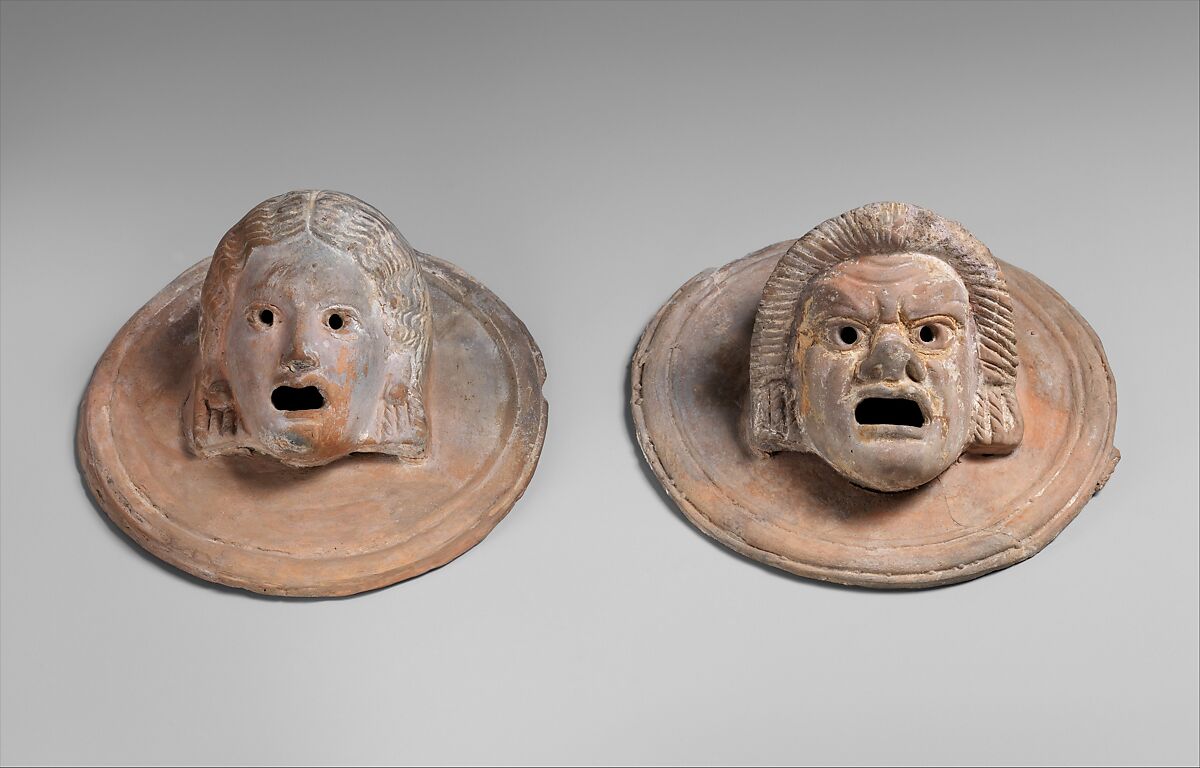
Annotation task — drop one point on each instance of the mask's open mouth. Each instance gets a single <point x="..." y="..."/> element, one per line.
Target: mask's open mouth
<point x="297" y="399"/>
<point x="889" y="410"/>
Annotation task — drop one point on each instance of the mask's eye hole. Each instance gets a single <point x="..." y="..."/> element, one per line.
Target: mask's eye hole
<point x="848" y="334"/>
<point x="335" y="321"/>
<point x="266" y="317"/>
<point x="934" y="335"/>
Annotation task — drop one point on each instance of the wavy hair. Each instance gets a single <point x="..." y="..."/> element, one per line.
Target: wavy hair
<point x="880" y="229"/>
<point x="349" y="225"/>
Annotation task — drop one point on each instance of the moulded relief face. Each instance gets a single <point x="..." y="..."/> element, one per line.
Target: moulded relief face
<point x="306" y="351"/>
<point x="303" y="341"/>
<point x="885" y="369"/>
<point x="313" y="336"/>
<point x="886" y="342"/>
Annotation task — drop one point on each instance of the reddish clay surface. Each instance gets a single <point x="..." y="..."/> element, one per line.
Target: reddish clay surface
<point x="361" y="522"/>
<point x="792" y="510"/>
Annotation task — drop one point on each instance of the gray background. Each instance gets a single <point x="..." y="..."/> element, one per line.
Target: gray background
<point x="583" y="161"/>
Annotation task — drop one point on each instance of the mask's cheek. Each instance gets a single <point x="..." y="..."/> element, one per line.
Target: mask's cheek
<point x="825" y="380"/>
<point x="822" y="408"/>
<point x="249" y="361"/>
<point x="357" y="373"/>
<point x="953" y="391"/>
<point x="940" y="383"/>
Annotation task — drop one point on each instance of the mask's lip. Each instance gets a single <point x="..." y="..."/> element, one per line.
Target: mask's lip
<point x="309" y="379"/>
<point x="894" y="392"/>
<point x="895" y="431"/>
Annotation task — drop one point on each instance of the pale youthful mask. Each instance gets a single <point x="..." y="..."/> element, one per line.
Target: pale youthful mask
<point x="307" y="352"/>
<point x="885" y="369"/>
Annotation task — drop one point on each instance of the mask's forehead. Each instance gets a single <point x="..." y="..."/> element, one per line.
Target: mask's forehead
<point x="911" y="284"/>
<point x="305" y="272"/>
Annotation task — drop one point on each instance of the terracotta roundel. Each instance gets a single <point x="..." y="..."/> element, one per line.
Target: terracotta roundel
<point x="319" y="409"/>
<point x="880" y="403"/>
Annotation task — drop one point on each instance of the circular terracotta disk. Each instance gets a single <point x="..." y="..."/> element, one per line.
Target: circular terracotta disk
<point x="361" y="522"/>
<point x="690" y="378"/>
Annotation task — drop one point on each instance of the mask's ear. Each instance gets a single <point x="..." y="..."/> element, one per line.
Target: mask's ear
<point x="997" y="427"/>
<point x="212" y="417"/>
<point x="402" y="427"/>
<point x="775" y="421"/>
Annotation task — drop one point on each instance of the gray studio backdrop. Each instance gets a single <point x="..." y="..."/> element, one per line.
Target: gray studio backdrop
<point x="584" y="160"/>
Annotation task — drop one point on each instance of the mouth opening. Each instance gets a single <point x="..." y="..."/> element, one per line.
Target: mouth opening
<point x="297" y="399"/>
<point x="889" y="410"/>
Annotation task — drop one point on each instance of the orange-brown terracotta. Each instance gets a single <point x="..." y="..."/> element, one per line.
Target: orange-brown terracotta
<point x="423" y="428"/>
<point x="748" y="404"/>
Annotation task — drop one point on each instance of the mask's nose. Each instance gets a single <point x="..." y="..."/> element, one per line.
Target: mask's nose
<point x="300" y="355"/>
<point x="891" y="358"/>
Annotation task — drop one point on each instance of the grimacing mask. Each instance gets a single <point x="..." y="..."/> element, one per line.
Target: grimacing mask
<point x="314" y="334"/>
<point x="884" y="344"/>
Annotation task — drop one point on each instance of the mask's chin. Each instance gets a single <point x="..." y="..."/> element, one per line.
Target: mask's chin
<point x="312" y="420"/>
<point x="895" y="466"/>
<point x="298" y="448"/>
<point x="303" y="429"/>
<point x="888" y="444"/>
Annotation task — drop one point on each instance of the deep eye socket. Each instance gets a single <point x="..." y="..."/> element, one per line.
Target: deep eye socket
<point x="933" y="333"/>
<point x="846" y="335"/>
<point x="262" y="317"/>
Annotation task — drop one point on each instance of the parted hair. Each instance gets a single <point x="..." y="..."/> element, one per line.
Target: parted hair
<point x="342" y="222"/>
<point x="881" y="229"/>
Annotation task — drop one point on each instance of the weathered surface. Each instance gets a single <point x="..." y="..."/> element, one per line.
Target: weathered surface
<point x="884" y="343"/>
<point x="691" y="386"/>
<point x="361" y="522"/>
<point x="314" y="335"/>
